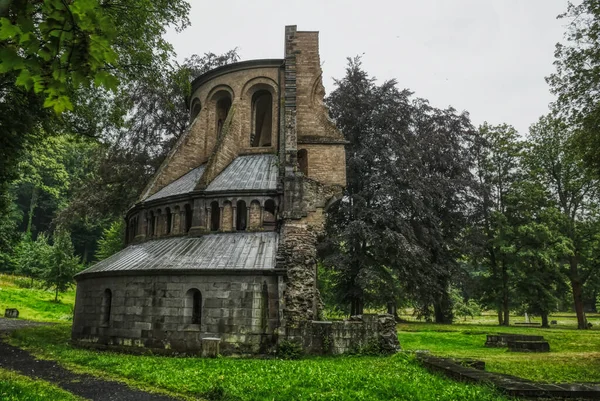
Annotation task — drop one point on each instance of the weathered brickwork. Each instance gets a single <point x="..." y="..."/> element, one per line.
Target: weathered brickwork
<point x="326" y="163"/>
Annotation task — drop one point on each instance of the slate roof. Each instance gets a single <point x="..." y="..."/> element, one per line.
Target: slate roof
<point x="182" y="185"/>
<point x="258" y="172"/>
<point x="239" y="251"/>
<point x="253" y="172"/>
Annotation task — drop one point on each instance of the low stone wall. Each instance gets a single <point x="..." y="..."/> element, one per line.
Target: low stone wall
<point x="339" y="337"/>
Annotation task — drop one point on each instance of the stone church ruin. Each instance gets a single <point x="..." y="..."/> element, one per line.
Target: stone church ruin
<point x="221" y="243"/>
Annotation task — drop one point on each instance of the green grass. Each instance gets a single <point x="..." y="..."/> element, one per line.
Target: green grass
<point x="16" y="387"/>
<point x="35" y="304"/>
<point x="574" y="356"/>
<point x="398" y="377"/>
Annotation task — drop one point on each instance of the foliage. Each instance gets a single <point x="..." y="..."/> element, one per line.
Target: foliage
<point x="62" y="264"/>
<point x="461" y="307"/>
<point x="111" y="241"/>
<point x="54" y="47"/>
<point x="33" y="257"/>
<point x="16" y="387"/>
<point x="34" y="303"/>
<point x="325" y="378"/>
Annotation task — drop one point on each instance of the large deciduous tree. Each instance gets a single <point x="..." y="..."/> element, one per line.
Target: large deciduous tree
<point x="407" y="199"/>
<point x="576" y="81"/>
<point x="552" y="157"/>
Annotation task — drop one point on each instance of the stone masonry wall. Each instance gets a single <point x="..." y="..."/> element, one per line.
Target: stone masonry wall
<point x="326" y="163"/>
<point x="150" y="311"/>
<point x="339" y="337"/>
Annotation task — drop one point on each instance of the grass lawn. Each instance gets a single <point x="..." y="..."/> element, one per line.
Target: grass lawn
<point x="35" y="304"/>
<point x="15" y="387"/>
<point x="398" y="377"/>
<point x="574" y="356"/>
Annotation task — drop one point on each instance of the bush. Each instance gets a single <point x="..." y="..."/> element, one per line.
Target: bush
<point x="287" y="349"/>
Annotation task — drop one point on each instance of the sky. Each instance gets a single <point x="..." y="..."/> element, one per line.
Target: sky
<point x="486" y="57"/>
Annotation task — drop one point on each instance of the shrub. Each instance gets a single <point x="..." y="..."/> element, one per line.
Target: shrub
<point x="287" y="349"/>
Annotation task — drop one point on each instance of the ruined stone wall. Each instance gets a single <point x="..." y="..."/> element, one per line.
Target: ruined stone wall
<point x="149" y="311"/>
<point x="312" y="119"/>
<point x="377" y="332"/>
<point x="326" y="163"/>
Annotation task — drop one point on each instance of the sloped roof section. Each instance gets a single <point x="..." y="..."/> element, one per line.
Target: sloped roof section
<point x="182" y="185"/>
<point x="233" y="251"/>
<point x="254" y="172"/>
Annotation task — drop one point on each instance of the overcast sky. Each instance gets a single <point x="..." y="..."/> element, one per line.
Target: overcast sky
<point x="488" y="57"/>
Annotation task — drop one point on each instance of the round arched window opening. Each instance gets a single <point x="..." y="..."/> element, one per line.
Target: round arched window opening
<point x="241" y="219"/>
<point x="262" y="119"/>
<point x="222" y="106"/>
<point x="194" y="305"/>
<point x="105" y="307"/>
<point x="215" y="216"/>
<point x="195" y="109"/>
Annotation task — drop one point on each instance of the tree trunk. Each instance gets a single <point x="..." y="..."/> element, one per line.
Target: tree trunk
<point x="545" y="320"/>
<point x="500" y="319"/>
<point x="577" y="293"/>
<point x="505" y="304"/>
<point x="56" y="295"/>
<point x="32" y="206"/>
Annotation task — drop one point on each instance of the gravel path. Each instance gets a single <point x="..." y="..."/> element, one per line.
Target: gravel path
<point x="83" y="385"/>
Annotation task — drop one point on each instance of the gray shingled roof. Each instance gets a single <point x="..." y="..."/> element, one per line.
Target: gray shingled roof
<point x="182" y="185"/>
<point x="257" y="172"/>
<point x="243" y="250"/>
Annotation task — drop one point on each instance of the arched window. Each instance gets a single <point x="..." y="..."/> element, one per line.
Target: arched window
<point x="241" y="216"/>
<point x="158" y="225"/>
<point x="151" y="224"/>
<point x="193" y="301"/>
<point x="262" y="118"/>
<point x="189" y="213"/>
<point x="215" y="216"/>
<point x="303" y="161"/>
<point x="169" y="220"/>
<point x="223" y="105"/>
<point x="195" y="109"/>
<point x="105" y="308"/>
<point x="269" y="215"/>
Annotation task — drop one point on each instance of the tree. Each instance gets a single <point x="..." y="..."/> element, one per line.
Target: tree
<point x="60" y="54"/>
<point x="112" y="240"/>
<point x="33" y="257"/>
<point x="552" y="157"/>
<point x="398" y="227"/>
<point x="576" y="81"/>
<point x="62" y="264"/>
<point x="498" y="170"/>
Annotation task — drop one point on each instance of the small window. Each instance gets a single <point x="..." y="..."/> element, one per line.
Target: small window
<point x="262" y="119"/>
<point x="169" y="220"/>
<point x="241" y="216"/>
<point x="194" y="302"/>
<point x="151" y="224"/>
<point x="105" y="308"/>
<point x="269" y="215"/>
<point x="303" y="161"/>
<point x="215" y="216"/>
<point x="189" y="214"/>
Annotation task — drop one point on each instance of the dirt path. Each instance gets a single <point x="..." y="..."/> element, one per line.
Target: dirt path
<point x="83" y="385"/>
